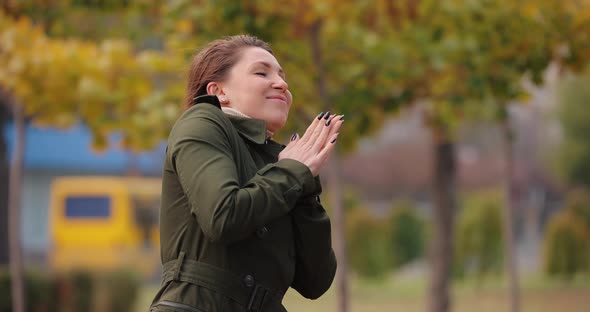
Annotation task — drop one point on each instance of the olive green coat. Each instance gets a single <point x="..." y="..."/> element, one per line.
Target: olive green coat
<point x="241" y="218"/>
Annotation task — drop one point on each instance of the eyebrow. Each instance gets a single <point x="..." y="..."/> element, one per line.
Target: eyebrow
<point x="266" y="64"/>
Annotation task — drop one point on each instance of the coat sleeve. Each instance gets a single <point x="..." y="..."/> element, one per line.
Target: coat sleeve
<point x="315" y="260"/>
<point x="201" y="155"/>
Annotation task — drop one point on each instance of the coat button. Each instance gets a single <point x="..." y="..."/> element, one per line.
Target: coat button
<point x="261" y="232"/>
<point x="249" y="281"/>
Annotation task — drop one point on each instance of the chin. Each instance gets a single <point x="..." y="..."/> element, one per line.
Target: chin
<point x="276" y="125"/>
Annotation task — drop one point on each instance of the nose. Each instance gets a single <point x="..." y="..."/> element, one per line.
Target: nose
<point x="280" y="84"/>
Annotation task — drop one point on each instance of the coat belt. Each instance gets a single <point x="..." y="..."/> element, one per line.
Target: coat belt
<point x="245" y="291"/>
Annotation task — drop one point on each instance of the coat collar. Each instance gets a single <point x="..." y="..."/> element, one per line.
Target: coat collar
<point x="250" y="128"/>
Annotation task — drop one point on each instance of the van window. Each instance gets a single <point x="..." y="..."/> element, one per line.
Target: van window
<point x="88" y="207"/>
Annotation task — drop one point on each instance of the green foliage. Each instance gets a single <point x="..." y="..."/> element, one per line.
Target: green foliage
<point x="479" y="241"/>
<point x="375" y="57"/>
<point x="122" y="290"/>
<point x="376" y="245"/>
<point x="107" y="84"/>
<point x="93" y="20"/>
<point x="288" y="26"/>
<point x="5" y="299"/>
<point x="41" y="291"/>
<point x="368" y="244"/>
<point x="567" y="239"/>
<point x="578" y="204"/>
<point x="408" y="237"/>
<point x="74" y="291"/>
<point x="566" y="246"/>
<point x="574" y="153"/>
<point x="82" y="288"/>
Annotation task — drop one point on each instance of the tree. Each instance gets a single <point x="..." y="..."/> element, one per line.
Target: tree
<point x="60" y="81"/>
<point x="96" y="21"/>
<point x="4" y="113"/>
<point x="574" y="152"/>
<point x="413" y="50"/>
<point x="489" y="47"/>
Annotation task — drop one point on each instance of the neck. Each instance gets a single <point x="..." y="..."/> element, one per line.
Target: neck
<point x="234" y="112"/>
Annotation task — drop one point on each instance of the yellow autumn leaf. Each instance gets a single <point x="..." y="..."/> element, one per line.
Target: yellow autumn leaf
<point x="184" y="26"/>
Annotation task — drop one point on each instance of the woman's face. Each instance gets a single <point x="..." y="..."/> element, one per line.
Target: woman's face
<point x="256" y="87"/>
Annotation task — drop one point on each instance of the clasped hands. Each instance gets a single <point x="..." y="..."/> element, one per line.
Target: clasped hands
<point x="313" y="148"/>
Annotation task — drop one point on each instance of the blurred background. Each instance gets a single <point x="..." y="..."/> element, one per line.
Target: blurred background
<point x="460" y="182"/>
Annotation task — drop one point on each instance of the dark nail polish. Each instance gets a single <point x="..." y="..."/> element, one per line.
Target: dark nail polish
<point x="342" y="117"/>
<point x="333" y="141"/>
<point x="320" y="115"/>
<point x="327" y="115"/>
<point x="294" y="136"/>
<point x="328" y="122"/>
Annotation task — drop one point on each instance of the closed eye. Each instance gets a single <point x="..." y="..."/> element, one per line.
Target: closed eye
<point x="260" y="74"/>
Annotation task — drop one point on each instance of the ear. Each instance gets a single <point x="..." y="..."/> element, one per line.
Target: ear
<point x="214" y="88"/>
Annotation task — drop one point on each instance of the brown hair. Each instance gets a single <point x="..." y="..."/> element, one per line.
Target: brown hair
<point x="214" y="61"/>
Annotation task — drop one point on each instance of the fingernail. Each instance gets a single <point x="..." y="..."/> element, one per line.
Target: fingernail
<point x="294" y="136"/>
<point x="333" y="140"/>
<point x="342" y="117"/>
<point x="327" y="115"/>
<point x="320" y="115"/>
<point x="328" y="122"/>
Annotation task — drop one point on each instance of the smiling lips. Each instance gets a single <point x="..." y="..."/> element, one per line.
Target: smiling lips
<point x="278" y="97"/>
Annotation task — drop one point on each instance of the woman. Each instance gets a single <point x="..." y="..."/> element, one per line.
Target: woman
<point x="240" y="220"/>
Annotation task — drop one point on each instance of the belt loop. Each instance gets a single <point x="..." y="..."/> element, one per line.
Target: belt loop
<point x="179" y="262"/>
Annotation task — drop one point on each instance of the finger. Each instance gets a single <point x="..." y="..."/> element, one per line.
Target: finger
<point x="336" y="125"/>
<point x="326" y="132"/>
<point x="320" y="141"/>
<point x="314" y="135"/>
<point x="292" y="143"/>
<point x="319" y="127"/>
<point x="315" y="122"/>
<point x="328" y="148"/>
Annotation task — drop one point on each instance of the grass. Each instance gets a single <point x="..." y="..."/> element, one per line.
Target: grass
<point x="538" y="294"/>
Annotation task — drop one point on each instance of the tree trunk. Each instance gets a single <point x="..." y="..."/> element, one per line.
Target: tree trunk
<point x="3" y="185"/>
<point x="333" y="179"/>
<point x="510" y="248"/>
<point x="14" y="198"/>
<point x="339" y="235"/>
<point x="444" y="190"/>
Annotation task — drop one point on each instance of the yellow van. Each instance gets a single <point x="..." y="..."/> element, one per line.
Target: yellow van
<point x="105" y="223"/>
